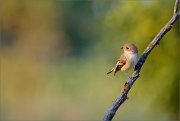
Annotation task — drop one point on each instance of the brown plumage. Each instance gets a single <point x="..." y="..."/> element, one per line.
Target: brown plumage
<point x="127" y="60"/>
<point x="121" y="62"/>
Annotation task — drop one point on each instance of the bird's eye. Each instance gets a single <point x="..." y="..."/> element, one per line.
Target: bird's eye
<point x="127" y="48"/>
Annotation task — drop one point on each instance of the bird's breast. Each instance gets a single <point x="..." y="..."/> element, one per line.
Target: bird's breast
<point x="133" y="59"/>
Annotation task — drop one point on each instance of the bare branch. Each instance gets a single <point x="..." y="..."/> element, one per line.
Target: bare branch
<point x="176" y="7"/>
<point x="127" y="86"/>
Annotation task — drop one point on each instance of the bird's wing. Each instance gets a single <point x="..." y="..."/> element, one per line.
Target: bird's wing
<point x="121" y="62"/>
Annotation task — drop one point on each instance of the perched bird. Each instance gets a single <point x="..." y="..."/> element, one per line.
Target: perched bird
<point x="127" y="60"/>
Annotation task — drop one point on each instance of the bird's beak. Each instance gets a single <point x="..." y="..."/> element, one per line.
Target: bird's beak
<point x="121" y="47"/>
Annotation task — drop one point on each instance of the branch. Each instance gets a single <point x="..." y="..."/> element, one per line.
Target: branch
<point x="127" y="86"/>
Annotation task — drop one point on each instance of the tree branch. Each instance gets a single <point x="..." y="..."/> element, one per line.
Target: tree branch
<point x="127" y="86"/>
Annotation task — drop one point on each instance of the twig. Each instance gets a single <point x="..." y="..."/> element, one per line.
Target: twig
<point x="127" y="86"/>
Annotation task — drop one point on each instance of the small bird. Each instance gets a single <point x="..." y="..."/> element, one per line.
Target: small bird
<point x="127" y="60"/>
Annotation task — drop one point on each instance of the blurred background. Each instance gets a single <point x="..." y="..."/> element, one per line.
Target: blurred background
<point x="55" y="55"/>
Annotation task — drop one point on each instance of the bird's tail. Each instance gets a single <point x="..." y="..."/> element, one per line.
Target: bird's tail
<point x="110" y="71"/>
<point x="115" y="69"/>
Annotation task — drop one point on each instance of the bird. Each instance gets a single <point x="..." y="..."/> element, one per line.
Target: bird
<point x="127" y="60"/>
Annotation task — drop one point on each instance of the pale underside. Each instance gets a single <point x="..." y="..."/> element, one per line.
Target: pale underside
<point x="125" y="62"/>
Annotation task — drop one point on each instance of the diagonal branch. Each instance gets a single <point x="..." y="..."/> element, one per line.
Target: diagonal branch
<point x="127" y="86"/>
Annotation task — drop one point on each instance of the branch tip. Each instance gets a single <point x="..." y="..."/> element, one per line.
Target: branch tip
<point x="176" y="7"/>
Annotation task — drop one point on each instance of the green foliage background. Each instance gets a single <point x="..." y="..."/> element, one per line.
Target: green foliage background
<point x="55" y="55"/>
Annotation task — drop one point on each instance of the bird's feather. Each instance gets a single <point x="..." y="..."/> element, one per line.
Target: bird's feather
<point x="121" y="62"/>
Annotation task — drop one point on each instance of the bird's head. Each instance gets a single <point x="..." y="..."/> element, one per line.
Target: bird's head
<point x="130" y="48"/>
